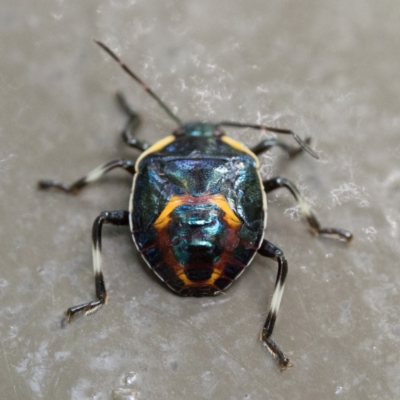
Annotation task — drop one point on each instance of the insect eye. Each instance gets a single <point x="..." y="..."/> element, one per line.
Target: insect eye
<point x="178" y="132"/>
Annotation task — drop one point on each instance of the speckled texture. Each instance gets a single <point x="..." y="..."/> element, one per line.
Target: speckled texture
<point x="326" y="69"/>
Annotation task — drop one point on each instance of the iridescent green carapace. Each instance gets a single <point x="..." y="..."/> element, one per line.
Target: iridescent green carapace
<point x="198" y="209"/>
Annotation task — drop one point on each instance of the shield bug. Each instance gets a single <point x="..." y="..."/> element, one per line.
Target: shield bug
<point x="197" y="210"/>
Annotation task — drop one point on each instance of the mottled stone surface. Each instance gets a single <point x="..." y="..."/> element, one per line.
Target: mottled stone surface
<point x="329" y="70"/>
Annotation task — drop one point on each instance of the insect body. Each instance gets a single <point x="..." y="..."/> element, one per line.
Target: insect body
<point x="197" y="210"/>
<point x="190" y="218"/>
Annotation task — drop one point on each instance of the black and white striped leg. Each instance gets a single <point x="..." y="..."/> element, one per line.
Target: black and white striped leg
<point x="267" y="249"/>
<point x="131" y="126"/>
<point x="313" y="223"/>
<point x="106" y="217"/>
<point x="267" y="144"/>
<point x="92" y="176"/>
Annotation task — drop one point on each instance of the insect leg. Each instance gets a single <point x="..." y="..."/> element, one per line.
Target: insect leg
<point x="267" y="144"/>
<point x="302" y="143"/>
<point x="313" y="223"/>
<point x="267" y="249"/>
<point x="106" y="217"/>
<point x="92" y="176"/>
<point x="131" y="126"/>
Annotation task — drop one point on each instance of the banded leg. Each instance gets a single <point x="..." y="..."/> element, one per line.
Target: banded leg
<point x="267" y="144"/>
<point x="131" y="126"/>
<point x="313" y="223"/>
<point x="267" y="249"/>
<point x="92" y="176"/>
<point x="106" y="217"/>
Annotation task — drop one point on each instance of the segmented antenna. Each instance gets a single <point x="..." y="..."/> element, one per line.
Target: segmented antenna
<point x="302" y="144"/>
<point x="137" y="79"/>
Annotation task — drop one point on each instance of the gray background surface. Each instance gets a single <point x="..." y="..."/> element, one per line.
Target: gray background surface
<point x="328" y="69"/>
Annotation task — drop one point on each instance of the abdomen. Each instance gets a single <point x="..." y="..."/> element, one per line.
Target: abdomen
<point x="197" y="223"/>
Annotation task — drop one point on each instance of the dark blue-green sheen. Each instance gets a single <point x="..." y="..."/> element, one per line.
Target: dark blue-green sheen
<point x="197" y="163"/>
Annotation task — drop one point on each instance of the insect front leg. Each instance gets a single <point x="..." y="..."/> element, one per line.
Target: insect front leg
<point x="267" y="249"/>
<point x="131" y="126"/>
<point x="267" y="144"/>
<point x="303" y="144"/>
<point x="92" y="176"/>
<point x="313" y="223"/>
<point x="119" y="218"/>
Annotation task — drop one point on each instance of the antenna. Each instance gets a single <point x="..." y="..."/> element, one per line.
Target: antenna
<point x="302" y="144"/>
<point x="138" y="80"/>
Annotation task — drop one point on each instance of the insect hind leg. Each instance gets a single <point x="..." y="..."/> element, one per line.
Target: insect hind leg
<point x="119" y="218"/>
<point x="267" y="249"/>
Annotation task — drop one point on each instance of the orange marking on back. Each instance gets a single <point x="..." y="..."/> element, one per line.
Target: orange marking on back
<point x="230" y="217"/>
<point x="176" y="200"/>
<point x="231" y="240"/>
<point x="163" y="220"/>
